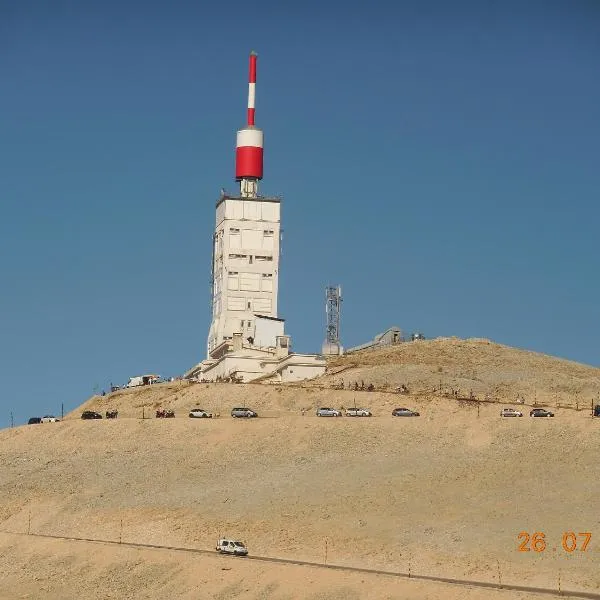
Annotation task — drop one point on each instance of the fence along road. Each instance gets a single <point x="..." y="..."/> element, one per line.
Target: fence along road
<point x="287" y="561"/>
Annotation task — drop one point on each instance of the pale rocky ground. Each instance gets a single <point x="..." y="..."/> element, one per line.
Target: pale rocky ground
<point x="448" y="492"/>
<point x="65" y="570"/>
<point x="477" y="365"/>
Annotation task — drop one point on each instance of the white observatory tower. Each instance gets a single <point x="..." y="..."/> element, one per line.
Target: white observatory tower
<point x="245" y="264"/>
<point x="246" y="339"/>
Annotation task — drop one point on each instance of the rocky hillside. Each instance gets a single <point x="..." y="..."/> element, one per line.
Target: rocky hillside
<point x="446" y="493"/>
<point x="476" y="365"/>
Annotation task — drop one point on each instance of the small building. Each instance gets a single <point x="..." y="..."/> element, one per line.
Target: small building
<point x="389" y="337"/>
<point x="142" y="380"/>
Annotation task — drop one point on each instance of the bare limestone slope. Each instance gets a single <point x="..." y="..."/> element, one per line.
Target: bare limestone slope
<point x="478" y="365"/>
<point x="445" y="494"/>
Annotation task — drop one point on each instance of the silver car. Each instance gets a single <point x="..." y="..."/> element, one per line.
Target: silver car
<point x="404" y="412"/>
<point x="328" y="412"/>
<point x="358" y="412"/>
<point x="243" y="413"/>
<point x="510" y="412"/>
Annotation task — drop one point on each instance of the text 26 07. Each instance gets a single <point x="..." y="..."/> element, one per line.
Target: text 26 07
<point x="570" y="542"/>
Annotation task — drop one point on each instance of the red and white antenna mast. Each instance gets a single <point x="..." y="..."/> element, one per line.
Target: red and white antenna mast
<point x="249" y="146"/>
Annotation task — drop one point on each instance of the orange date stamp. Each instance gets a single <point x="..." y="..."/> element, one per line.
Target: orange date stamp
<point x="570" y="542"/>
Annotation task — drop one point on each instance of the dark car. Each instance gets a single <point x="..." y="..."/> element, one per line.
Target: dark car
<point x="90" y="414"/>
<point x="404" y="412"/>
<point x="541" y="412"/>
<point x="34" y="420"/>
<point x="165" y="413"/>
<point x="597" y="410"/>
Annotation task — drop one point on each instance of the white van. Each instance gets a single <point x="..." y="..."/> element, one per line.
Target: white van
<point x="231" y="547"/>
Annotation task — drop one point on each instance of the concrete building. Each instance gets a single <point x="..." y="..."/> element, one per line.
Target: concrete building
<point x="246" y="339"/>
<point x="389" y="337"/>
<point x="245" y="272"/>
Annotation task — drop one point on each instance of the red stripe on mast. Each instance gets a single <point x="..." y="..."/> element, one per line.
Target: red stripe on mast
<point x="252" y="77"/>
<point x="251" y="88"/>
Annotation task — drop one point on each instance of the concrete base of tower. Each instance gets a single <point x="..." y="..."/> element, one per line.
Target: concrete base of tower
<point x="245" y="366"/>
<point x="332" y="349"/>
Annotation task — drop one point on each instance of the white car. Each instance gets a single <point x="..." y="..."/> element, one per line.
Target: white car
<point x="231" y="547"/>
<point x="49" y="419"/>
<point x="510" y="412"/>
<point x="358" y="412"/>
<point x="200" y="413"/>
<point x="328" y="412"/>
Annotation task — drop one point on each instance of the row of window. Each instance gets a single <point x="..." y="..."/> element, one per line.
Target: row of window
<point x="254" y="304"/>
<point x="250" y="282"/>
<point x="266" y="232"/>
<point x="260" y="305"/>
<point x="250" y="257"/>
<point x="263" y="274"/>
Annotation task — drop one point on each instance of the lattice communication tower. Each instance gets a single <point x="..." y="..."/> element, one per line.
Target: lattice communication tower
<point x="332" y="344"/>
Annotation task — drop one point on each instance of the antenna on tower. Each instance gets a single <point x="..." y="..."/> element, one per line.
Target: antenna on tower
<point x="249" y="145"/>
<point x="332" y="345"/>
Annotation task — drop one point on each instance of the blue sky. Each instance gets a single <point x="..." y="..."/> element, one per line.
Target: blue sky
<point x="439" y="160"/>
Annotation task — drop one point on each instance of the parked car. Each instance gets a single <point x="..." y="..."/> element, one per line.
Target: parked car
<point x="34" y="420"/>
<point x="597" y="410"/>
<point x="243" y="412"/>
<point x="405" y="412"/>
<point x="49" y="419"/>
<point x="200" y="413"/>
<point x="541" y="412"/>
<point x="165" y="413"/>
<point x="510" y="412"/>
<point x="232" y="547"/>
<point x="90" y="414"/>
<point x="358" y="412"/>
<point x="328" y="412"/>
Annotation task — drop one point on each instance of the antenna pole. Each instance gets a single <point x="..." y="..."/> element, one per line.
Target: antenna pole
<point x="252" y="89"/>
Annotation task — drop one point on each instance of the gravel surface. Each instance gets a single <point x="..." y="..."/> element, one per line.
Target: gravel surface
<point x="446" y="493"/>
